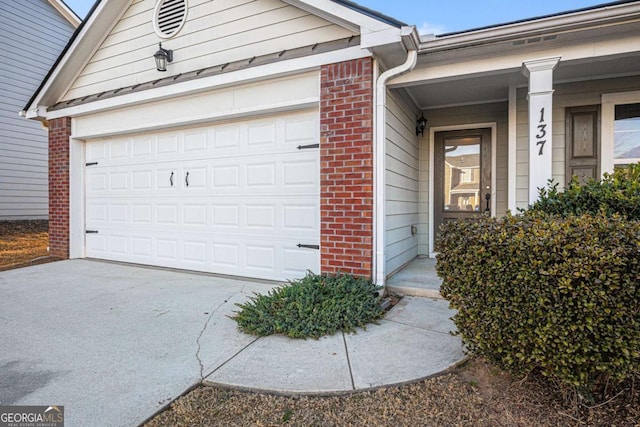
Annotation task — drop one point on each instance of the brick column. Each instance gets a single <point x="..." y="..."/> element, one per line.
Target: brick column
<point x="346" y="162"/>
<point x="59" y="133"/>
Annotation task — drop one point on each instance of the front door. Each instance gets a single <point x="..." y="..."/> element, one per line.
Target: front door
<point x="462" y="161"/>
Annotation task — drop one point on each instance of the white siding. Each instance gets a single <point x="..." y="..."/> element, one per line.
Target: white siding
<point x="33" y="33"/>
<point x="564" y="96"/>
<point x="402" y="182"/>
<point x="484" y="113"/>
<point x="215" y="33"/>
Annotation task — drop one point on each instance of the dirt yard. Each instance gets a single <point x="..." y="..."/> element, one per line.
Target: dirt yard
<point x="474" y="394"/>
<point x="23" y="243"/>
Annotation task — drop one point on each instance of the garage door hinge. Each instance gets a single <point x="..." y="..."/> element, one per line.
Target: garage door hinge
<point x="91" y="231"/>
<point x="91" y="164"/>
<point x="300" y="245"/>
<point x="305" y="147"/>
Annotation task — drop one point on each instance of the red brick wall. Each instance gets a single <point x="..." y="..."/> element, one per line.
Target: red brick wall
<point x="59" y="132"/>
<point x="346" y="161"/>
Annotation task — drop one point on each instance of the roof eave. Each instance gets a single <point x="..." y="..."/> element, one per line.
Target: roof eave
<point x="571" y="21"/>
<point x="98" y="22"/>
<point x="66" y="11"/>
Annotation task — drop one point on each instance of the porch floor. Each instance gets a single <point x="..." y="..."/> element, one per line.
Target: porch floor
<point x="417" y="278"/>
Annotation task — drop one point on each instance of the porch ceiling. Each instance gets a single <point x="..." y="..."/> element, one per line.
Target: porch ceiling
<point x="484" y="88"/>
<point x="482" y="72"/>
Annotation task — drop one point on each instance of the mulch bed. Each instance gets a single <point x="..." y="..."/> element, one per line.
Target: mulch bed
<point x="23" y="243"/>
<point x="475" y="394"/>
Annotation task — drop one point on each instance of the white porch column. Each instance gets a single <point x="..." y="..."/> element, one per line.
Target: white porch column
<point x="540" y="74"/>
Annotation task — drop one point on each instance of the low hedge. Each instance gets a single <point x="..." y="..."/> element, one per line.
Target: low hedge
<point x="616" y="193"/>
<point x="540" y="292"/>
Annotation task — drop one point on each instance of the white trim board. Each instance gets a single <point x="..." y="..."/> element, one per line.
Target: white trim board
<point x="609" y="102"/>
<point x="494" y="145"/>
<point x="256" y="74"/>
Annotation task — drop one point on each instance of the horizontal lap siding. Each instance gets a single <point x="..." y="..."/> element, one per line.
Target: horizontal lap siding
<point x="33" y="34"/>
<point x="402" y="184"/>
<point x="215" y="32"/>
<point x="564" y="96"/>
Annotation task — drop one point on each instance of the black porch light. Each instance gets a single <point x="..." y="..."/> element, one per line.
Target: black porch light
<point x="162" y="57"/>
<point x="421" y="125"/>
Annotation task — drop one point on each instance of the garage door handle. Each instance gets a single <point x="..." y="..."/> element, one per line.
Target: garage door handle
<point x="186" y="179"/>
<point x="300" y="245"/>
<point x="171" y="179"/>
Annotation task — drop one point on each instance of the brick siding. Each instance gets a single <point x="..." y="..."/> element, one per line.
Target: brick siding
<point x="59" y="132"/>
<point x="346" y="161"/>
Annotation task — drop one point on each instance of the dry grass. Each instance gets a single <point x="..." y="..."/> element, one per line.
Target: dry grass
<point x="23" y="243"/>
<point x="475" y="394"/>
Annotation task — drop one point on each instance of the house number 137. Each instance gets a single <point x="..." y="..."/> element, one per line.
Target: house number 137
<point x="542" y="132"/>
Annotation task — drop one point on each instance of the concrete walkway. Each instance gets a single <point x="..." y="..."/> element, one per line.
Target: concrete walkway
<point x="418" y="278"/>
<point x="114" y="343"/>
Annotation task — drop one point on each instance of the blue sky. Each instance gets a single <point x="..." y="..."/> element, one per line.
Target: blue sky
<point x="442" y="16"/>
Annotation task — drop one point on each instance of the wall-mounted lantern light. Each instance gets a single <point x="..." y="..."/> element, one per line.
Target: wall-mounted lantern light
<point x="421" y="125"/>
<point x="163" y="57"/>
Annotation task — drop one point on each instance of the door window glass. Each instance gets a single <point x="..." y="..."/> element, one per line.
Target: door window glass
<point x="461" y="184"/>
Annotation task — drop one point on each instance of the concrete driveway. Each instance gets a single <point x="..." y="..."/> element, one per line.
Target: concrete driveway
<point x="115" y="343"/>
<point x="112" y="343"/>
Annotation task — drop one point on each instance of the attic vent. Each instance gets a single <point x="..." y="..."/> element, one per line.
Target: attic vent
<point x="169" y="17"/>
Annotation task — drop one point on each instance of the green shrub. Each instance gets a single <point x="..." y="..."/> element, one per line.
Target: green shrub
<point x="314" y="306"/>
<point x="617" y="193"/>
<point x="538" y="292"/>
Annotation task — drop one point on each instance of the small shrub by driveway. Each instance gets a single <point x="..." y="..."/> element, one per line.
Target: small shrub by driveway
<point x="540" y="292"/>
<point x="314" y="306"/>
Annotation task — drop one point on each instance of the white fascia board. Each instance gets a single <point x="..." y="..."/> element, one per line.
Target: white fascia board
<point x="513" y="62"/>
<point x="68" y="14"/>
<point x="263" y="72"/>
<point x="340" y="15"/>
<point x="372" y="39"/>
<point x="574" y="21"/>
<point x="85" y="44"/>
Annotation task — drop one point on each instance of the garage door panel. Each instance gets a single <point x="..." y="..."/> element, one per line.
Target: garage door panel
<point x="236" y="198"/>
<point x="292" y="215"/>
<point x="264" y="257"/>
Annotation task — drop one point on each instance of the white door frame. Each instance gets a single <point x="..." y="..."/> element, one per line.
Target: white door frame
<point x="432" y="131"/>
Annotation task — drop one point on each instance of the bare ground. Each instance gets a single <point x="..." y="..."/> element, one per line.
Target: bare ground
<point x="474" y="394"/>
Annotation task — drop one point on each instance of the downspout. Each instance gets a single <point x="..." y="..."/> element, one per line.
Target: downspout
<point x="409" y="37"/>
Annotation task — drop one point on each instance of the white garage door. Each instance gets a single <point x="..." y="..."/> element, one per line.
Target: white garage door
<point x="238" y="198"/>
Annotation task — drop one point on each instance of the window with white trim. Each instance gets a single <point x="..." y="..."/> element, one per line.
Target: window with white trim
<point x="626" y="134"/>
<point x="620" y="131"/>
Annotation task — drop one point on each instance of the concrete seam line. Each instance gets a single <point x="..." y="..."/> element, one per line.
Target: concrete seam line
<point x="231" y="358"/>
<point x="206" y="325"/>
<point x="418" y="327"/>
<point x="346" y="352"/>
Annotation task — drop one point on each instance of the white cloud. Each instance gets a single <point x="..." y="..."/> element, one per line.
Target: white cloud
<point x="429" y="28"/>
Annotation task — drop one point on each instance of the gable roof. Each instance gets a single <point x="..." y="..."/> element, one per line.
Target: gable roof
<point x="375" y="29"/>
